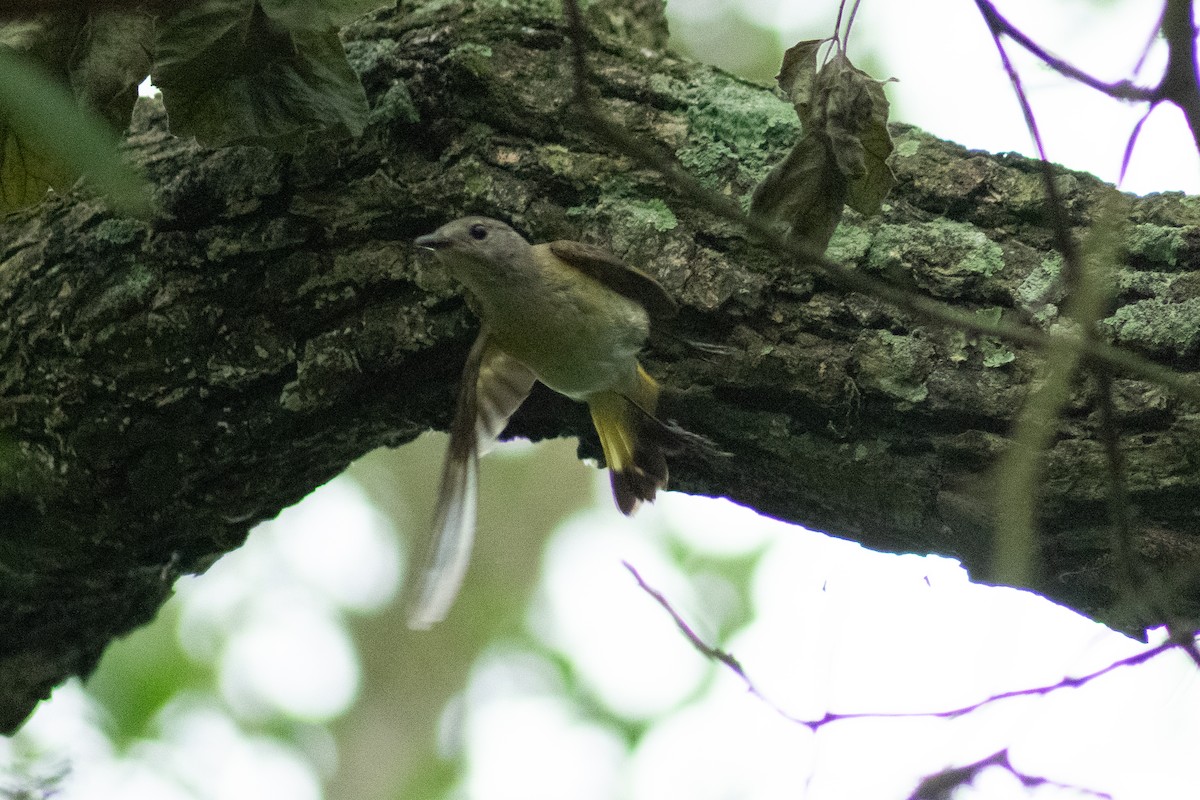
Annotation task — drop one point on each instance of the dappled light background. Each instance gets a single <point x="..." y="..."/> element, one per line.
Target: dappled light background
<point x="287" y="671"/>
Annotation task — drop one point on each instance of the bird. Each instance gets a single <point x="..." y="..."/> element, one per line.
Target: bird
<point x="572" y="316"/>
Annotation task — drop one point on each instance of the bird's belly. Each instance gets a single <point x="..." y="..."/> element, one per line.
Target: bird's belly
<point x="578" y="351"/>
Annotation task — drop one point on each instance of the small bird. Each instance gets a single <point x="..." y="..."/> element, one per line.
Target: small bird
<point x="572" y="316"/>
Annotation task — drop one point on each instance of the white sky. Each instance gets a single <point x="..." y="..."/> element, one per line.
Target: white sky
<point x="950" y="83"/>
<point x="835" y="628"/>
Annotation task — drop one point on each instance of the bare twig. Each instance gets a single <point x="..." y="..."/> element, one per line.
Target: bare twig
<point x="1150" y="40"/>
<point x="1146" y="596"/>
<point x="808" y="257"/>
<point x="705" y="649"/>
<point x="1058" y="218"/>
<point x="943" y="784"/>
<point x="1178" y="84"/>
<point x="1121" y="90"/>
<point x="843" y="36"/>
<point x="850" y="23"/>
<point x="1015" y="544"/>
<point x="1133" y="137"/>
<point x="804" y="255"/>
<point x="727" y="659"/>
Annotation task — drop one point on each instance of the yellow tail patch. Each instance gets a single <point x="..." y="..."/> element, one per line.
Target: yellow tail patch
<point x="636" y="464"/>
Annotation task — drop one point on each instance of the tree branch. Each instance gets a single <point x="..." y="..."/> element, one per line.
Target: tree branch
<point x="165" y="387"/>
<point x="1179" y="82"/>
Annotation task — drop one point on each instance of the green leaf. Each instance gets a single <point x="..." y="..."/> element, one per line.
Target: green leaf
<point x="45" y="38"/>
<point x="47" y="141"/>
<point x="110" y="59"/>
<point x="343" y="12"/>
<point x="270" y="72"/>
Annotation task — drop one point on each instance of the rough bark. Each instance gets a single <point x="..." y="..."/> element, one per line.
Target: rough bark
<point x="164" y="387"/>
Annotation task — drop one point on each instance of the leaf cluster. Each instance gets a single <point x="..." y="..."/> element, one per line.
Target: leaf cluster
<point x="266" y="72"/>
<point x="840" y="158"/>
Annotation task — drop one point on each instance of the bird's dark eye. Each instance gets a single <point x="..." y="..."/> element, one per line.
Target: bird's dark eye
<point x="478" y="232"/>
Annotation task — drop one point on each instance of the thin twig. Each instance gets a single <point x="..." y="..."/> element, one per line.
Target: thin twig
<point x="850" y="24"/>
<point x="1016" y="550"/>
<point x="1058" y="217"/>
<point x="716" y="654"/>
<point x="705" y="649"/>
<point x="1121" y="90"/>
<point x="1133" y="136"/>
<point x="1148" y="598"/>
<point x="1141" y="62"/>
<point x="837" y="23"/>
<point x="944" y="783"/>
<point x="805" y="256"/>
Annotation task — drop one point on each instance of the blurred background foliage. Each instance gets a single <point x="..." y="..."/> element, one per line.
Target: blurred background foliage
<point x="289" y="664"/>
<point x="721" y="34"/>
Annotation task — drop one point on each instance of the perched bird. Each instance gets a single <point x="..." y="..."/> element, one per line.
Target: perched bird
<point x="572" y="316"/>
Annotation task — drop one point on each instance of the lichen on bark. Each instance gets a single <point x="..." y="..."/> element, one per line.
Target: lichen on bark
<point x="166" y="385"/>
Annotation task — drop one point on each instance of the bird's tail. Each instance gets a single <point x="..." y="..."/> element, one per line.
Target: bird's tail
<point x="636" y="442"/>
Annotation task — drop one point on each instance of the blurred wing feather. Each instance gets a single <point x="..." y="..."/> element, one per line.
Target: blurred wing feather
<point x="494" y="384"/>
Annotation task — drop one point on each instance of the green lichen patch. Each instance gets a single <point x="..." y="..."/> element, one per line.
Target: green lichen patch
<point x="946" y="258"/>
<point x="120" y="231"/>
<point x="1042" y="285"/>
<point x="994" y="352"/>
<point x="1158" y="327"/>
<point x="733" y="122"/>
<point x="711" y="160"/>
<point x="742" y="116"/>
<point x="475" y="58"/>
<point x="1171" y="208"/>
<point x="1155" y="244"/>
<point x="849" y="243"/>
<point x="894" y="365"/>
<point x="907" y="146"/>
<point x="652" y="214"/>
<point x="620" y="205"/>
<point x="581" y="170"/>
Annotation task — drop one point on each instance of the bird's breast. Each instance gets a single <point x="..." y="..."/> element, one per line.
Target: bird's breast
<point x="578" y="336"/>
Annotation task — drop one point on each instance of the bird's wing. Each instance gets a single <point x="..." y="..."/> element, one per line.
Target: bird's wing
<point x="494" y="384"/>
<point x="616" y="275"/>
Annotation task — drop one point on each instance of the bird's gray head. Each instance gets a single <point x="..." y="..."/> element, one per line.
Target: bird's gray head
<point x="481" y="240"/>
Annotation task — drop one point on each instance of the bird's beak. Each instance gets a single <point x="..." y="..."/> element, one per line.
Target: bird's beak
<point x="431" y="241"/>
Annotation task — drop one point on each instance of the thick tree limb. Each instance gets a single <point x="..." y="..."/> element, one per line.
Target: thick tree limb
<point x="163" y="388"/>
